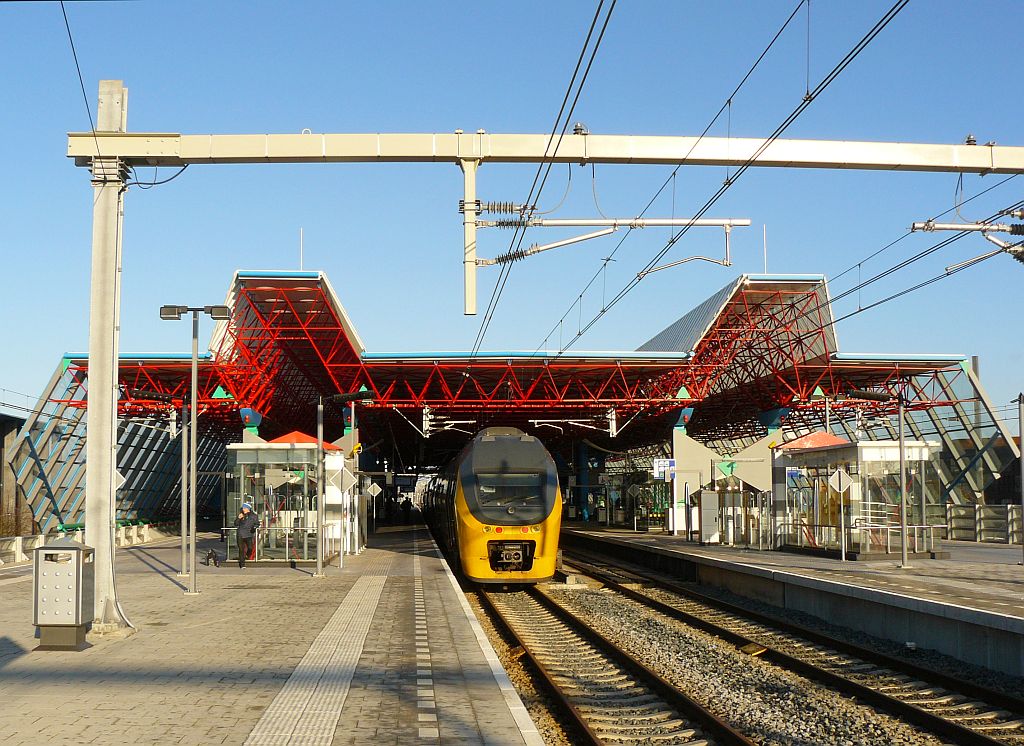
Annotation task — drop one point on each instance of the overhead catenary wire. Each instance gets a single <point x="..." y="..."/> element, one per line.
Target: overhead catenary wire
<point x="861" y="284"/>
<point x="905" y="263"/>
<point x="503" y="274"/>
<point x="909" y="233"/>
<point x="520" y="233"/>
<point x="81" y="80"/>
<point x="671" y="177"/>
<point x="818" y="89"/>
<point x="923" y="253"/>
<point x="88" y="111"/>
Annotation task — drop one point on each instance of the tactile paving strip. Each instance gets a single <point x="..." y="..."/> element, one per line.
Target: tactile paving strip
<point x="307" y="708"/>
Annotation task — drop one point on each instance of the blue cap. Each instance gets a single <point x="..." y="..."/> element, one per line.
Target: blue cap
<point x="247" y="505"/>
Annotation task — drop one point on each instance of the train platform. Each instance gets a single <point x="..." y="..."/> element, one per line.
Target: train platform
<point x="969" y="606"/>
<point x="384" y="650"/>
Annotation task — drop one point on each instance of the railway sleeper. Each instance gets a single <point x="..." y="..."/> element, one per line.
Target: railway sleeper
<point x="608" y="679"/>
<point x="653" y="714"/>
<point x="625" y="696"/>
<point x="677" y="728"/>
<point x="662" y="738"/>
<point x="975" y="722"/>
<point x="933" y="704"/>
<point x="1005" y="725"/>
<point x="580" y="680"/>
<point x="584" y="701"/>
<point x="632" y="729"/>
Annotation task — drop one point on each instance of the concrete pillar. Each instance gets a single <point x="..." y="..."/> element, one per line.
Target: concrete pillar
<point x="108" y="178"/>
<point x="469" y="167"/>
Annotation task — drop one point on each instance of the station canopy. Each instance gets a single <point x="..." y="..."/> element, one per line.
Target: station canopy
<point x="763" y="343"/>
<point x="759" y="353"/>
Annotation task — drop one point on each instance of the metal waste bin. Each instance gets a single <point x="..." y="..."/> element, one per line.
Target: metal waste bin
<point x="62" y="602"/>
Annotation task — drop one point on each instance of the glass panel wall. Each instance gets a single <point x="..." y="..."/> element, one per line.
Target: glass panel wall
<point x="280" y="483"/>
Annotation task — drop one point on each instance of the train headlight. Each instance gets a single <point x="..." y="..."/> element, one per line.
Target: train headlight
<point x="535" y="529"/>
<point x="525" y="529"/>
<point x="487" y="529"/>
<point x="497" y="529"/>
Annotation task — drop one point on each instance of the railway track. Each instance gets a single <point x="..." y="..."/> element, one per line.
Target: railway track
<point x="610" y="696"/>
<point x="954" y="710"/>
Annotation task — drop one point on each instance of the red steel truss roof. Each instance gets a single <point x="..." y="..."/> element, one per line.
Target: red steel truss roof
<point x="761" y="343"/>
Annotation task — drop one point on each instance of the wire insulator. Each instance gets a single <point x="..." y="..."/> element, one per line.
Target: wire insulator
<point x="511" y="256"/>
<point x="1017" y="230"/>
<point x="502" y="208"/>
<point x="509" y="223"/>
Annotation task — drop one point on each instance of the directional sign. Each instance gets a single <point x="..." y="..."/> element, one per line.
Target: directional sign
<point x="348" y="479"/>
<point x="374" y="490"/>
<point x="634" y="490"/>
<point x="840" y="481"/>
<point x="661" y="467"/>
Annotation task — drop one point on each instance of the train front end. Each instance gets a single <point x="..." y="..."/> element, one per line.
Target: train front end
<point x="508" y="509"/>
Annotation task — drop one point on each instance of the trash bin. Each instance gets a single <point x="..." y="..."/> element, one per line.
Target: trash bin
<point x="62" y="602"/>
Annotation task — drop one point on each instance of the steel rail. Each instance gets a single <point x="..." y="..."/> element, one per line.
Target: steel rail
<point x="578" y="719"/>
<point x="674" y="697"/>
<point x="992" y="696"/>
<point x="909" y="712"/>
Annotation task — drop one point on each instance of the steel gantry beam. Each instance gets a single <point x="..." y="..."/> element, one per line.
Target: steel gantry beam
<point x="162" y="149"/>
<point x="469" y="151"/>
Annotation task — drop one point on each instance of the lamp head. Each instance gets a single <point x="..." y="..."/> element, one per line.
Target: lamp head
<point x="172" y="313"/>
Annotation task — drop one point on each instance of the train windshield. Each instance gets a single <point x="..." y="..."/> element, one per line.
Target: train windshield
<point x="506" y="488"/>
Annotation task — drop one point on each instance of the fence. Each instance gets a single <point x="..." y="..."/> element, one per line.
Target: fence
<point x="861" y="536"/>
<point x="16" y="550"/>
<point x="295" y="544"/>
<point x="999" y="524"/>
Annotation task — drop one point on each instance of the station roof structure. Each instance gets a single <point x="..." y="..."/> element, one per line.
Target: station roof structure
<point x="759" y="352"/>
<point x="761" y="343"/>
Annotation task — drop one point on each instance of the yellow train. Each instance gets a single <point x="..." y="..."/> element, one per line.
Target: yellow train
<point x="498" y="508"/>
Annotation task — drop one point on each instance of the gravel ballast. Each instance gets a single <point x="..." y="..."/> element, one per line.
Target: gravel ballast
<point x="770" y="705"/>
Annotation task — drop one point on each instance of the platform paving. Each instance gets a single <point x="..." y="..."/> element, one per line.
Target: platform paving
<point x="383" y="651"/>
<point x="976" y="576"/>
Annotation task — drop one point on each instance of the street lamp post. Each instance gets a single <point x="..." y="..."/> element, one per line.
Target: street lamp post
<point x="903" y="488"/>
<point x="184" y="490"/>
<point x="173" y="313"/>
<point x="320" y="512"/>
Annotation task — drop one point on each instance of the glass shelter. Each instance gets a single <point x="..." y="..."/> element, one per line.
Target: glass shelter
<point x="810" y="513"/>
<point x="279" y="480"/>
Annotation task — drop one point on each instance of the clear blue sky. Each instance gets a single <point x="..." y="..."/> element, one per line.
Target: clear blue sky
<point x="390" y="235"/>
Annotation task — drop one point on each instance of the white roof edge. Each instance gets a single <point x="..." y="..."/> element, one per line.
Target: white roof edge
<point x="346" y="321"/>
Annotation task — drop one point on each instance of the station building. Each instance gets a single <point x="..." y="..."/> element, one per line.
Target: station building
<point x="748" y="392"/>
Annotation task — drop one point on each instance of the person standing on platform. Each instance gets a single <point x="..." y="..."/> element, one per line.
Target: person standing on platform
<point x="406" y="510"/>
<point x="246" y="523"/>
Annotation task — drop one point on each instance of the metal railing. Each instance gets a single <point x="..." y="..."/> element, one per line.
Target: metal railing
<point x="288" y="544"/>
<point x="861" y="535"/>
<point x="999" y="524"/>
<point x="17" y="550"/>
